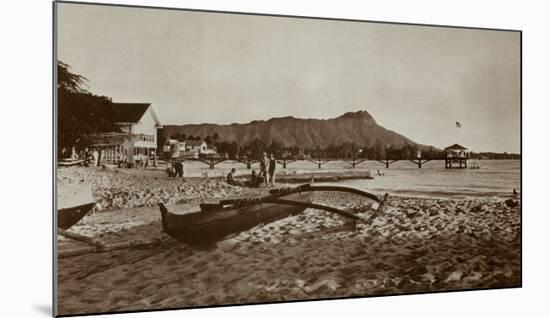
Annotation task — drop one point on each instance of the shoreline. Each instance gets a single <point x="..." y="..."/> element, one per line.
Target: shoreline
<point x="115" y="189"/>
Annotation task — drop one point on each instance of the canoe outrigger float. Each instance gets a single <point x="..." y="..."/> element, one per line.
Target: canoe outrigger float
<point x="214" y="221"/>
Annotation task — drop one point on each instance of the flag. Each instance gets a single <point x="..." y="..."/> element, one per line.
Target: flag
<point x="458" y="125"/>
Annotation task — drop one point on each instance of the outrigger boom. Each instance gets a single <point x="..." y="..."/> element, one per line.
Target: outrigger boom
<point x="276" y="194"/>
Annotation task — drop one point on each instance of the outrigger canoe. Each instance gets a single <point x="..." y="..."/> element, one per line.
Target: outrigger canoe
<point x="70" y="162"/>
<point x="212" y="222"/>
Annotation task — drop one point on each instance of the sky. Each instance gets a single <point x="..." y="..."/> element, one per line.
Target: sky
<point x="197" y="67"/>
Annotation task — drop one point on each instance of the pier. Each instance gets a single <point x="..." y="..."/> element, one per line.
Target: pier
<point x="454" y="157"/>
<point x="322" y="160"/>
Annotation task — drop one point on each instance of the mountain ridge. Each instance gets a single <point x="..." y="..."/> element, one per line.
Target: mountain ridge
<point x="358" y="128"/>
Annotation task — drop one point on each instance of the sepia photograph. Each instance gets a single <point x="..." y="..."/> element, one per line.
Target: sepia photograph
<point x="210" y="158"/>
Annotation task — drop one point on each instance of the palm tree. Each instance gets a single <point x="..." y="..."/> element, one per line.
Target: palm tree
<point x="69" y="82"/>
<point x="79" y="112"/>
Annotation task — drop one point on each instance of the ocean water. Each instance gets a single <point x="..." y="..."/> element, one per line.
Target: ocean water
<point x="494" y="178"/>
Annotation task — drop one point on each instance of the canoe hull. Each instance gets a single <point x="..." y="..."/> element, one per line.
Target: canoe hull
<point x="70" y="216"/>
<point x="211" y="226"/>
<point x="69" y="163"/>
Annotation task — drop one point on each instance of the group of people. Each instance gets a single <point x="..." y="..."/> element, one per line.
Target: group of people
<point x="266" y="176"/>
<point x="91" y="158"/>
<point x="268" y="166"/>
<point x="176" y="170"/>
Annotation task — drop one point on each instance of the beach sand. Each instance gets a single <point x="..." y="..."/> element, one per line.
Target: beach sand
<point x="417" y="245"/>
<point x="128" y="188"/>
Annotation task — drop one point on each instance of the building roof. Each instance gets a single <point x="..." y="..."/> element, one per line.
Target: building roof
<point x="130" y="112"/>
<point x="456" y="147"/>
<point x="194" y="143"/>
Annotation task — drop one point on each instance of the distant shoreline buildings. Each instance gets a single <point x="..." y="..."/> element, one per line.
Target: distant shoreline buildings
<point x="187" y="149"/>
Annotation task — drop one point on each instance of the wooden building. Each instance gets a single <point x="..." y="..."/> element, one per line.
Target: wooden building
<point x="188" y="149"/>
<point x="136" y="143"/>
<point x="210" y="150"/>
<point x="174" y="148"/>
<point x="198" y="146"/>
<point x="169" y="146"/>
<point x="456" y="156"/>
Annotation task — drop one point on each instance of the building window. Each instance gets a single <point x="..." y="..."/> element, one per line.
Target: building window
<point x="147" y="138"/>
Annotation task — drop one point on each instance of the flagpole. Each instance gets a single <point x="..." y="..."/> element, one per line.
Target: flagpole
<point x="457" y="126"/>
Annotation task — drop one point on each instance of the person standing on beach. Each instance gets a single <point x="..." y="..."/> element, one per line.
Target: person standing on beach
<point x="264" y="163"/>
<point x="95" y="156"/>
<point x="88" y="157"/>
<point x="99" y="157"/>
<point x="271" y="169"/>
<point x="178" y="166"/>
